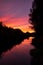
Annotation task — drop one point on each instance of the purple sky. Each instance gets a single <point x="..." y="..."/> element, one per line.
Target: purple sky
<point x="15" y="12"/>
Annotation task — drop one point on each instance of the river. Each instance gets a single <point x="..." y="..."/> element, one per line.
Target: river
<point x="19" y="54"/>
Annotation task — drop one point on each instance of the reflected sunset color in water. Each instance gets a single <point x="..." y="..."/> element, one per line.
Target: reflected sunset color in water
<point x="18" y="55"/>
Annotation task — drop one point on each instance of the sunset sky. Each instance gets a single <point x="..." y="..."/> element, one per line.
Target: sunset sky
<point x="14" y="13"/>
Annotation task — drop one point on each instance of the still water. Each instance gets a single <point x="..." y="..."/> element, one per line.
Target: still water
<point x="19" y="54"/>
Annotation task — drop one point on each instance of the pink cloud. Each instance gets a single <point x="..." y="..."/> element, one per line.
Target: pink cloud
<point x="10" y="21"/>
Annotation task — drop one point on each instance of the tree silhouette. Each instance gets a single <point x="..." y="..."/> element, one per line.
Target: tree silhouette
<point x="36" y="17"/>
<point x="10" y="37"/>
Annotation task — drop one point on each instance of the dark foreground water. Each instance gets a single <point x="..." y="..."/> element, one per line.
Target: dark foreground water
<point x="19" y="54"/>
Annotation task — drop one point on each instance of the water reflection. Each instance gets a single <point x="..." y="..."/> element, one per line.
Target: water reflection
<point x="18" y="55"/>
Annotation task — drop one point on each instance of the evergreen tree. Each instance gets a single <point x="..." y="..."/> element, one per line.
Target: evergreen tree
<point x="36" y="17"/>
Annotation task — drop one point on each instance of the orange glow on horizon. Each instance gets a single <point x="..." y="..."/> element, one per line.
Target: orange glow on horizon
<point x="25" y="29"/>
<point x="20" y="23"/>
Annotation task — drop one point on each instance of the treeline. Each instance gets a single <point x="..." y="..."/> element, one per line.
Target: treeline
<point x="10" y="37"/>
